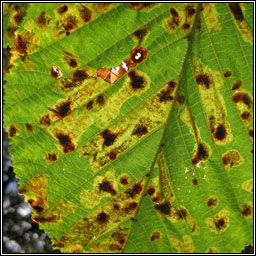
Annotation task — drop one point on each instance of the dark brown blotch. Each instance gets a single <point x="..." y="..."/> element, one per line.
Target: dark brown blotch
<point x="100" y="100"/>
<point x="135" y="190"/>
<point x="20" y="45"/>
<point x="108" y="137"/>
<point x="220" y="223"/>
<point x="42" y="20"/>
<point x="139" y="130"/>
<point x="45" y="120"/>
<point x="185" y="27"/>
<point x="250" y="132"/>
<point x="112" y="155"/>
<point x="175" y="15"/>
<point x="18" y="17"/>
<point x="237" y="84"/>
<point x="135" y="6"/>
<point x="140" y="34"/>
<point x="166" y="95"/>
<point x="29" y="127"/>
<point x="36" y="205"/>
<point x="182" y="213"/>
<point x="137" y="55"/>
<point x="195" y="182"/>
<point x="203" y="80"/>
<point x="116" y="207"/>
<point x="245" y="115"/>
<point x="66" y="142"/>
<point x="70" y="23"/>
<point x="240" y="97"/>
<point x="85" y="14"/>
<point x="154" y="236"/>
<point x="220" y="132"/>
<point x="236" y="11"/>
<point x="13" y="130"/>
<point x="51" y="157"/>
<point x="44" y="219"/>
<point x="212" y="202"/>
<point x="246" y="210"/>
<point x="137" y="81"/>
<point x="107" y="186"/>
<point x="80" y="75"/>
<point x="89" y="105"/>
<point x="102" y="217"/>
<point x="189" y="11"/>
<point x="130" y="207"/>
<point x="63" y="109"/>
<point x="150" y="191"/>
<point x="163" y="208"/>
<point x="228" y="74"/>
<point x="124" y="180"/>
<point x="202" y="154"/>
<point x="62" y="9"/>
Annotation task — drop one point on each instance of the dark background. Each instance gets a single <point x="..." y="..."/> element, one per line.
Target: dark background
<point x="20" y="233"/>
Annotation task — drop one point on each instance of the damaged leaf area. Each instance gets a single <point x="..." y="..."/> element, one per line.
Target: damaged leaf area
<point x="137" y="124"/>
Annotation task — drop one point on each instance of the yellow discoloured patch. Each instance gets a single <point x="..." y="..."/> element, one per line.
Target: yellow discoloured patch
<point x="185" y="246"/>
<point x="209" y="81"/>
<point x="164" y="179"/>
<point x="36" y="196"/>
<point x="219" y="223"/>
<point x="102" y="219"/>
<point x="247" y="209"/>
<point x="248" y="185"/>
<point x="151" y="115"/>
<point x="211" y="17"/>
<point x="231" y="158"/>
<point x="212" y="250"/>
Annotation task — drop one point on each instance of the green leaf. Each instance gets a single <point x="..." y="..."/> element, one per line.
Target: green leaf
<point x="157" y="159"/>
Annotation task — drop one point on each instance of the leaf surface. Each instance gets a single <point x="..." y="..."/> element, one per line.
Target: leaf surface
<point x="158" y="160"/>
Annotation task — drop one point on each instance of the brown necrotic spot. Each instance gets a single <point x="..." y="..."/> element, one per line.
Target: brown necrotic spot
<point x="182" y="213"/>
<point x="175" y="15"/>
<point x="237" y="84"/>
<point x="212" y="201"/>
<point x="135" y="6"/>
<point x="189" y="11"/>
<point x="89" y="105"/>
<point x="70" y="59"/>
<point x="63" y="109"/>
<point x="245" y="115"/>
<point x="18" y="18"/>
<point x="139" y="130"/>
<point x="164" y="208"/>
<point x="240" y="97"/>
<point x="29" y="127"/>
<point x="228" y="74"/>
<point x="137" y="81"/>
<point x="140" y="34"/>
<point x="202" y="153"/>
<point x="62" y="9"/>
<point x="102" y="217"/>
<point x="150" y="191"/>
<point x="185" y="26"/>
<point x="13" y="130"/>
<point x="70" y="23"/>
<point x="124" y="180"/>
<point x="203" y="80"/>
<point x="45" y="120"/>
<point x="137" y="55"/>
<point x="44" y="219"/>
<point x="107" y="186"/>
<point x="220" y="223"/>
<point x="20" y="45"/>
<point x="100" y="100"/>
<point x="236" y="11"/>
<point x="51" y="157"/>
<point x="136" y="189"/>
<point x="116" y="207"/>
<point x="80" y="75"/>
<point x="72" y="63"/>
<point x="42" y="20"/>
<point x="246" y="210"/>
<point x="36" y="205"/>
<point x="131" y="207"/>
<point x="108" y="137"/>
<point x="195" y="182"/>
<point x="112" y="155"/>
<point x="85" y="14"/>
<point x="250" y="132"/>
<point x="165" y="95"/>
<point x="172" y="85"/>
<point x="220" y="132"/>
<point x="66" y="142"/>
<point x="154" y="236"/>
